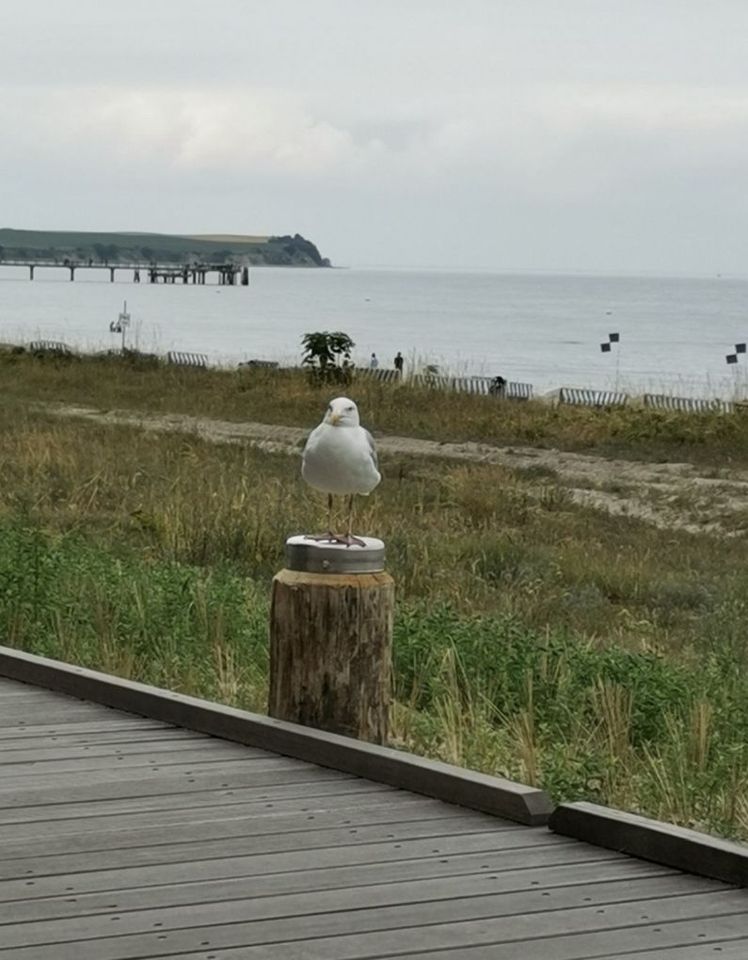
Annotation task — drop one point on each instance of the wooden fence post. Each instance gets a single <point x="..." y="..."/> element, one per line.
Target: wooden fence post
<point x="331" y="638"/>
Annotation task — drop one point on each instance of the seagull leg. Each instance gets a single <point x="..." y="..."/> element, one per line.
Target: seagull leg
<point x="328" y="537"/>
<point x="349" y="531"/>
<point x="349" y="540"/>
<point x="346" y="539"/>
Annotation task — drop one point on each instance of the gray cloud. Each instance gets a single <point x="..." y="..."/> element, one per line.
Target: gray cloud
<point x="585" y="135"/>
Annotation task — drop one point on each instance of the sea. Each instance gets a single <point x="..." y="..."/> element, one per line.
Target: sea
<point x="674" y="335"/>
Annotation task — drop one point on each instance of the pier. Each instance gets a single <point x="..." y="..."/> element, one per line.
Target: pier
<point x="228" y="274"/>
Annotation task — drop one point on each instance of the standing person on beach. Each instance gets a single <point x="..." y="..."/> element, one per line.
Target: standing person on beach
<point x="373" y="362"/>
<point x="399" y="362"/>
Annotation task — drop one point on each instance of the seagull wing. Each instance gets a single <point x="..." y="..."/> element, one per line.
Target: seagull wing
<point x="372" y="448"/>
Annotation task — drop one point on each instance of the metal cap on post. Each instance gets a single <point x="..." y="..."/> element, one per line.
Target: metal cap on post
<point x="324" y="556"/>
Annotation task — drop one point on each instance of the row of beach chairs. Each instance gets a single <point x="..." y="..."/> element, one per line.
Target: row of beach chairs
<point x="181" y="358"/>
<point x="476" y="385"/>
<point x="663" y="401"/>
<point x="51" y="347"/>
<point x="483" y="386"/>
<point x="607" y="399"/>
<point x="601" y="399"/>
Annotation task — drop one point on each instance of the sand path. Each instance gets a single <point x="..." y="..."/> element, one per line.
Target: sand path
<point x="669" y="495"/>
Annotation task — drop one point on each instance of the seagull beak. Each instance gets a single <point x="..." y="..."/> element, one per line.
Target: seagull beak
<point x="334" y="419"/>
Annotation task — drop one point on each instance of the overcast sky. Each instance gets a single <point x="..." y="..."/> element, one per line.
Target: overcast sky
<point x="584" y="135"/>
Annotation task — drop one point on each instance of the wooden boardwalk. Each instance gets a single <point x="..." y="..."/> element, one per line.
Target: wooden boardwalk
<point x="124" y="837"/>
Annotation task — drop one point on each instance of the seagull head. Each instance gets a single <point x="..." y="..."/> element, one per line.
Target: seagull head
<point x="342" y="412"/>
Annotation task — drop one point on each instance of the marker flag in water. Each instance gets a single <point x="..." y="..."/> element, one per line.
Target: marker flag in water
<point x="605" y="347"/>
<point x="732" y="358"/>
<point x="739" y="348"/>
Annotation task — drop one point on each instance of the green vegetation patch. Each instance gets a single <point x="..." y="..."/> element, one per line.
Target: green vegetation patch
<point x="633" y="729"/>
<point x="713" y="440"/>
<point x="595" y="655"/>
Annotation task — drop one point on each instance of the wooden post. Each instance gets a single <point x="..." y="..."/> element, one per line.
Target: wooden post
<point x="331" y="638"/>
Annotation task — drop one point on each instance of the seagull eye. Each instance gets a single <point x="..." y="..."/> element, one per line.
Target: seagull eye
<point x="349" y="409"/>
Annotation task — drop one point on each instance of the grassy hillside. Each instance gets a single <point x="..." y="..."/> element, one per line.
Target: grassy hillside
<point x="163" y="248"/>
<point x="286" y="397"/>
<point x="595" y="655"/>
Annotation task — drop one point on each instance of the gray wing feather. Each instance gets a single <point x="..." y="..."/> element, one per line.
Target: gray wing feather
<point x="372" y="448"/>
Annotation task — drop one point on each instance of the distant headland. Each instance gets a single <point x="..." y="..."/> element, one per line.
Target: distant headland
<point x="124" y="248"/>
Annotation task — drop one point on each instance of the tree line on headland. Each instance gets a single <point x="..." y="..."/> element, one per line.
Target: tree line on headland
<point x="81" y="247"/>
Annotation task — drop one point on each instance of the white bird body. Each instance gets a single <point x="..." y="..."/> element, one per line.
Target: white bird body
<point x="340" y="456"/>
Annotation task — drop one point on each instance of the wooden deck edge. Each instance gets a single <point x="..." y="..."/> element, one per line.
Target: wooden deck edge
<point x="647" y="839"/>
<point x="477" y="791"/>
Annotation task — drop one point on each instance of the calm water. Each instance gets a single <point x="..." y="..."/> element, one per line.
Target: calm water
<point x="547" y="330"/>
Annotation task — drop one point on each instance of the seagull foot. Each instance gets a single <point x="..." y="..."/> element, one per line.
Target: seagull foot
<point x="349" y="540"/>
<point x="346" y="539"/>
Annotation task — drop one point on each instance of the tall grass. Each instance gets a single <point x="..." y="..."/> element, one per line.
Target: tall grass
<point x="286" y="397"/>
<point x="594" y="655"/>
<point x="625" y="727"/>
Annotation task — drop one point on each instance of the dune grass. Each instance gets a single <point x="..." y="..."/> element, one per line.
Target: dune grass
<point x="286" y="397"/>
<point x="595" y="655"/>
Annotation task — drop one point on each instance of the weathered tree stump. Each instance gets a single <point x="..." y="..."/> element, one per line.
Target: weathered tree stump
<point x="331" y="639"/>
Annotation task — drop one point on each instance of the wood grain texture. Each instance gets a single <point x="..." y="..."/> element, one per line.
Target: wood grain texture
<point x="478" y="791"/>
<point x="392" y="883"/>
<point x="387" y="931"/>
<point x="655" y="841"/>
<point x="331" y="652"/>
<point x="252" y="856"/>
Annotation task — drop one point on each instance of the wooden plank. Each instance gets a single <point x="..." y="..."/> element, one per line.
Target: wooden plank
<point x="13" y="692"/>
<point x="60" y="742"/>
<point x="446" y="782"/>
<point x="314" y="791"/>
<point x="56" y="715"/>
<point x="652" y="840"/>
<point x="131" y="724"/>
<point x="61" y="715"/>
<point x="278" y="853"/>
<point x="379" y="931"/>
<point x="26" y="714"/>
<point x="137" y="752"/>
<point x="718" y="949"/>
<point x="288" y="872"/>
<point x="701" y="939"/>
<point x="187" y="826"/>
<point x="275" y="919"/>
<point x="396" y="883"/>
<point x="133" y="828"/>
<point x="192" y="791"/>
<point x="219" y="838"/>
<point x="192" y="774"/>
<point x="209" y="760"/>
<point x="169" y="779"/>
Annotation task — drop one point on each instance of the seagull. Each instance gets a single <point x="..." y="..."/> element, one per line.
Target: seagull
<point x="340" y="458"/>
